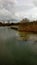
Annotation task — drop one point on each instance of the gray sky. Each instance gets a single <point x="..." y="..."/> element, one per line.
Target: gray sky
<point x="18" y="9"/>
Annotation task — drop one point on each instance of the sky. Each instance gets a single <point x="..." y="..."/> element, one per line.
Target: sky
<point x="18" y="9"/>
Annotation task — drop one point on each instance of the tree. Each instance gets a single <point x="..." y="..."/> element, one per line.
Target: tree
<point x="25" y="20"/>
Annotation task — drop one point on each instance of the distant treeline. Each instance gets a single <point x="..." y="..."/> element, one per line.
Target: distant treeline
<point x="8" y="24"/>
<point x="23" y="22"/>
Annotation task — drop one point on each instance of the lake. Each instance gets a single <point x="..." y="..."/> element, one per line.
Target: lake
<point x="14" y="51"/>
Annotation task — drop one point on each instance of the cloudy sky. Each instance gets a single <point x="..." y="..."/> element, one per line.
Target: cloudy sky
<point x="18" y="9"/>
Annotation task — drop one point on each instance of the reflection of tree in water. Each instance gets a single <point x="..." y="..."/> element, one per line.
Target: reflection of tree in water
<point x="23" y="35"/>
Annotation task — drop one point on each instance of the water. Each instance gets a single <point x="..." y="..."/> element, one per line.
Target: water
<point x="14" y="51"/>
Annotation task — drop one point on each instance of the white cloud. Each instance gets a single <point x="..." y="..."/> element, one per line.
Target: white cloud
<point x="18" y="8"/>
<point x="12" y="1"/>
<point x="33" y="13"/>
<point x="4" y="12"/>
<point x="23" y="6"/>
<point x="7" y="8"/>
<point x="35" y="2"/>
<point x="24" y="2"/>
<point x="29" y="11"/>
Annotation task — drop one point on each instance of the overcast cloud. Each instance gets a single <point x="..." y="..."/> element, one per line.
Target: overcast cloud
<point x="18" y="9"/>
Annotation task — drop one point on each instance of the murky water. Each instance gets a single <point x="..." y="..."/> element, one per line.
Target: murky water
<point x="27" y="36"/>
<point x="14" y="51"/>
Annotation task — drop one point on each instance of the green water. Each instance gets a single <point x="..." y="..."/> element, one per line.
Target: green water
<point x="14" y="51"/>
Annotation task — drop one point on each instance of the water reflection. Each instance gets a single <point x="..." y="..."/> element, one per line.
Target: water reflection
<point x="27" y="36"/>
<point x="14" y="51"/>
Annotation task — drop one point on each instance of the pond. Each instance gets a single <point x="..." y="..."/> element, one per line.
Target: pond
<point x="14" y="51"/>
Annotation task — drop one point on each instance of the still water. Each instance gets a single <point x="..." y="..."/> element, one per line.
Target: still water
<point x="14" y="51"/>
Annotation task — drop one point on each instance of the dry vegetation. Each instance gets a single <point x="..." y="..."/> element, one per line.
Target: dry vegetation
<point x="27" y="26"/>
